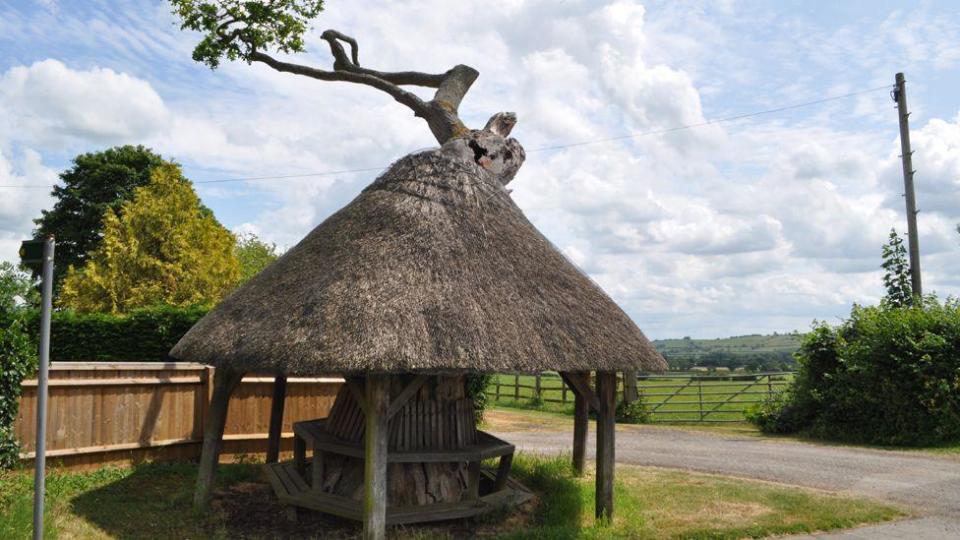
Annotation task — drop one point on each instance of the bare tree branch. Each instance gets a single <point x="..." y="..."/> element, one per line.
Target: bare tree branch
<point x="441" y="113"/>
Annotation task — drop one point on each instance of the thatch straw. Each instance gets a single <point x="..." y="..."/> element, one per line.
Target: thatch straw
<point x="432" y="268"/>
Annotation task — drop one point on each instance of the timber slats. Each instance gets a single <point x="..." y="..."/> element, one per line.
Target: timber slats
<point x="291" y="489"/>
<point x="314" y="433"/>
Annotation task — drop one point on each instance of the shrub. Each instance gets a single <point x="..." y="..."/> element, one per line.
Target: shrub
<point x="17" y="361"/>
<point x="633" y="412"/>
<point x="476" y="386"/>
<point x="142" y="335"/>
<point x="886" y="375"/>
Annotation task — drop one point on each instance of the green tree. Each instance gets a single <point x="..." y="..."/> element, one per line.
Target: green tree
<point x="97" y="182"/>
<point x="161" y="247"/>
<point x="254" y="255"/>
<point x="18" y="360"/>
<point x="896" y="276"/>
<point x="17" y="290"/>
<point x="17" y="353"/>
<point x="237" y="29"/>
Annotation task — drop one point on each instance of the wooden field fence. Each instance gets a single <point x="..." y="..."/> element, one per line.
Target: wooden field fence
<point x="669" y="397"/>
<point x="119" y="413"/>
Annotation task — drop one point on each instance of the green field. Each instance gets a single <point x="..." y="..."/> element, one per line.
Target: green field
<point x="759" y="352"/>
<point x="670" y="398"/>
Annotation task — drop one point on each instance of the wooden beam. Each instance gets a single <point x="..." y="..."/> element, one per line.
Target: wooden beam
<point x="408" y="392"/>
<point x="503" y="471"/>
<point x="224" y="381"/>
<point x="607" y="394"/>
<point x="580" y="385"/>
<point x="375" y="457"/>
<point x="356" y="386"/>
<point x="473" y="481"/>
<point x="581" y="425"/>
<point x="630" y="393"/>
<point x="276" y="418"/>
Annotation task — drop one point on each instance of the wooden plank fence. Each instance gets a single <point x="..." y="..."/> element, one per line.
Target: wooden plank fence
<point x="120" y="413"/>
<point x="670" y="397"/>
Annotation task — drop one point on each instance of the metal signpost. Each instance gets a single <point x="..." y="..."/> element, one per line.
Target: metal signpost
<point x="38" y="254"/>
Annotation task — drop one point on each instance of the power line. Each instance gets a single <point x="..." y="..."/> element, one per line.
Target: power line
<point x="711" y="122"/>
<point x="326" y="173"/>
<point x="546" y="148"/>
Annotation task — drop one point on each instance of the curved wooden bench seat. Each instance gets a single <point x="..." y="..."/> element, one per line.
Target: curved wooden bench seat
<point x="315" y="436"/>
<point x="293" y="488"/>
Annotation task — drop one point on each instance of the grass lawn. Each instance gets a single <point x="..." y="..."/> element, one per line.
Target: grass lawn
<point x="154" y="501"/>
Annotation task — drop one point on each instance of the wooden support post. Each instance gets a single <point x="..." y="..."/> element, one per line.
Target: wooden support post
<point x="581" y="424"/>
<point x="375" y="457"/>
<point x="316" y="470"/>
<point x="629" y="386"/>
<point x="606" y="392"/>
<point x="224" y="381"/>
<point x="299" y="453"/>
<point x="579" y="382"/>
<point x="276" y="418"/>
<point x="537" y="388"/>
<point x="516" y="387"/>
<point x="503" y="471"/>
<point x="473" y="481"/>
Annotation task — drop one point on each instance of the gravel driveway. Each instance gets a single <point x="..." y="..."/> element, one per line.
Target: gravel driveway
<point x="929" y="485"/>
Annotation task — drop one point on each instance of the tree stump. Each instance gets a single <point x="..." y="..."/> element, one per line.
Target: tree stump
<point x="438" y="416"/>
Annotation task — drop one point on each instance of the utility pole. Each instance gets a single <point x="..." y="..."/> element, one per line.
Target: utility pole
<point x="38" y="255"/>
<point x="906" y="155"/>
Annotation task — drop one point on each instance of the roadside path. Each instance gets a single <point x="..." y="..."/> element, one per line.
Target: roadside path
<point x="926" y="484"/>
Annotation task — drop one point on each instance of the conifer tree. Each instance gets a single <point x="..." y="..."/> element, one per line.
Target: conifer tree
<point x="896" y="277"/>
<point x="161" y="247"/>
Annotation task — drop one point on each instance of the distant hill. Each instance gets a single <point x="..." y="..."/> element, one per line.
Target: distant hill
<point x="755" y="351"/>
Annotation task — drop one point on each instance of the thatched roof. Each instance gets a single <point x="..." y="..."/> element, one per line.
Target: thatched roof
<point x="432" y="268"/>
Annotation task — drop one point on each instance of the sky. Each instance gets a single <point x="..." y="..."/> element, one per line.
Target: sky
<point x="754" y="225"/>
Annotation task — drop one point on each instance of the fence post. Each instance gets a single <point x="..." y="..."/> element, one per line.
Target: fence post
<point x="537" y="392"/>
<point x="563" y="393"/>
<point x="498" y="387"/>
<point x="516" y="387"/>
<point x="769" y="386"/>
<point x="700" y="397"/>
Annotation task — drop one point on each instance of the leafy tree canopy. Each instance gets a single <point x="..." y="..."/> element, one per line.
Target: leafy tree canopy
<point x="235" y="29"/>
<point x="97" y="182"/>
<point x="896" y="276"/>
<point x="161" y="247"/>
<point x="254" y="255"/>
<point x="17" y="290"/>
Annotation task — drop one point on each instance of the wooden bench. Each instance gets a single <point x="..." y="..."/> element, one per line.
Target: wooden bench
<point x="293" y="490"/>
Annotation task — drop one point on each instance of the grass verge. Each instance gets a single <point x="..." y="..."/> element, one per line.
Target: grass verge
<point x="154" y="501"/>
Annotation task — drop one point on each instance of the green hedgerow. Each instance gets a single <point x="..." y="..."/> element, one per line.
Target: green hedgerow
<point x="886" y="375"/>
<point x="18" y="360"/>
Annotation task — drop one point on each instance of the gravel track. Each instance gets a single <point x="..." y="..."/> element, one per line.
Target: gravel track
<point x="926" y="484"/>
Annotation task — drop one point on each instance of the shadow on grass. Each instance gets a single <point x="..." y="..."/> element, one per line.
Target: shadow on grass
<point x="155" y="501"/>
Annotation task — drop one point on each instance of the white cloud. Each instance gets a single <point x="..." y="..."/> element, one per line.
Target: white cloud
<point x="51" y="103"/>
<point x="757" y="225"/>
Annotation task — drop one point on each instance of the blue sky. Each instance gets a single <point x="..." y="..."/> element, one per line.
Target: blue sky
<point x="757" y="225"/>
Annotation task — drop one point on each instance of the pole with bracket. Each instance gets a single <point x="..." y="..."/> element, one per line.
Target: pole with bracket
<point x="35" y="253"/>
<point x="906" y="154"/>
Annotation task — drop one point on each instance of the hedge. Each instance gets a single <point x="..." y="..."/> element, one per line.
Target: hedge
<point x="886" y="375"/>
<point x="18" y="360"/>
<point x="144" y="335"/>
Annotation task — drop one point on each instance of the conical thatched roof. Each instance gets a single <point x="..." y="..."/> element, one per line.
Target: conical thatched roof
<point x="432" y="268"/>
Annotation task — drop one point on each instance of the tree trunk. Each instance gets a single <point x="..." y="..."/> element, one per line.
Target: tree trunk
<point x="438" y="416"/>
